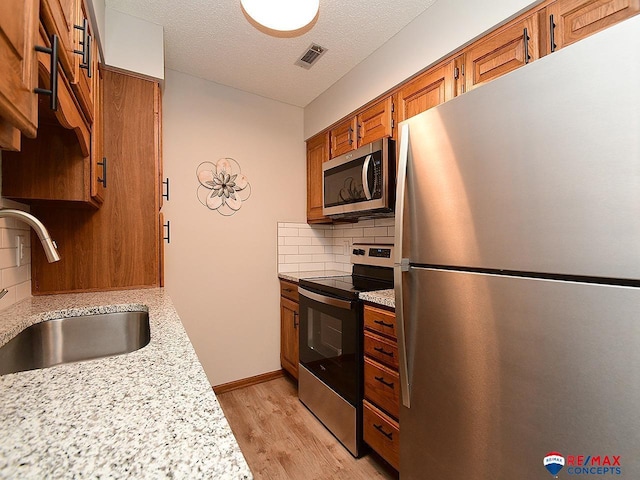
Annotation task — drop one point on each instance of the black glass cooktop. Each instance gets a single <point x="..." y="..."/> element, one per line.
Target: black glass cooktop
<point x="348" y="286"/>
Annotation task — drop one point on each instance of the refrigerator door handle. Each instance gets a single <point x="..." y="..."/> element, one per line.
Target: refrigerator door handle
<point x="401" y="187"/>
<point x="401" y="265"/>
<point x="405" y="387"/>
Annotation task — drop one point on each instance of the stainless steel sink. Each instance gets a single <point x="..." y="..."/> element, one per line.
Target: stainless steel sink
<point x="74" y="339"/>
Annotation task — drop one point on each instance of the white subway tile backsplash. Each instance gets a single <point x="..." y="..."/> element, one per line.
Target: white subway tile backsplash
<point x="384" y="222"/>
<point x="297" y="241"/>
<point x="324" y="241"/>
<point x="17" y="280"/>
<point x="312" y="249"/>
<point x="297" y="258"/>
<point x="375" y="231"/>
<point x="353" y="232"/>
<point x="303" y="247"/>
<point x="288" y="267"/>
<point x="288" y="250"/>
<point x="389" y="240"/>
<point x="288" y="232"/>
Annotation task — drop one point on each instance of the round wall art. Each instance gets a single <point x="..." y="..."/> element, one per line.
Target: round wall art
<point x="222" y="186"/>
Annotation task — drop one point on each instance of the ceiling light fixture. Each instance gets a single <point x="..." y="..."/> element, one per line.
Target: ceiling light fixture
<point x="282" y="15"/>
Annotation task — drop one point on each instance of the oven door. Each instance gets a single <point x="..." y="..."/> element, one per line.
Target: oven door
<point x="331" y="342"/>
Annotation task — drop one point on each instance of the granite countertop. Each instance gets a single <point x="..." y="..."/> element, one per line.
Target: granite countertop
<point x="381" y="297"/>
<point x="146" y="414"/>
<point x="296" y="276"/>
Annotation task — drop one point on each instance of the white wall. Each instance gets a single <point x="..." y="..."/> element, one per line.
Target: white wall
<point x="221" y="272"/>
<point x="133" y="44"/>
<point x="440" y="30"/>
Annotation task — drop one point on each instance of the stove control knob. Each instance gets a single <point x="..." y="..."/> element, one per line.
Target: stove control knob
<point x="355" y="251"/>
<point x="360" y="252"/>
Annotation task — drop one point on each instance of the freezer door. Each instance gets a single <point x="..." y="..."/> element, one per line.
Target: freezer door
<point x="537" y="171"/>
<point x="505" y="370"/>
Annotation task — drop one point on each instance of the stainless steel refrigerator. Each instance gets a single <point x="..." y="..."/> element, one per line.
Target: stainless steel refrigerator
<point x="518" y="277"/>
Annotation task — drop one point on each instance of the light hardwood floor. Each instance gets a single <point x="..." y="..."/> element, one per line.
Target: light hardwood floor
<point x="281" y="439"/>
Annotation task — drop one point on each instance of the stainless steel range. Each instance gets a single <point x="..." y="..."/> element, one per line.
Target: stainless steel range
<point x="331" y="341"/>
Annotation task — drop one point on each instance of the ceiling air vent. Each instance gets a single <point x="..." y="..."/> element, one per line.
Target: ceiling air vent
<point x="311" y="56"/>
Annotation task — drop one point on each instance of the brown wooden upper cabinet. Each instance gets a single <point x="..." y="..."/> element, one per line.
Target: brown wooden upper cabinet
<point x="18" y="103"/>
<point x="369" y="125"/>
<point x="317" y="154"/>
<point x="509" y="48"/>
<point x="59" y="18"/>
<point x="84" y="78"/>
<point x="431" y="88"/>
<point x="573" y="20"/>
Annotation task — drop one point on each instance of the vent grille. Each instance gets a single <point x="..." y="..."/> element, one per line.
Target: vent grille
<point x="310" y="56"/>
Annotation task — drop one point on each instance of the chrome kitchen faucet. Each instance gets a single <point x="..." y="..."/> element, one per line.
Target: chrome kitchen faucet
<point x="50" y="247"/>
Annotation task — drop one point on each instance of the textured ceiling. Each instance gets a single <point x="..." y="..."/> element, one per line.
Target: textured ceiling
<point x="214" y="40"/>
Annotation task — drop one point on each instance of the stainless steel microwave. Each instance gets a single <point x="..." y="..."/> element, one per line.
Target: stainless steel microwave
<point x="360" y="183"/>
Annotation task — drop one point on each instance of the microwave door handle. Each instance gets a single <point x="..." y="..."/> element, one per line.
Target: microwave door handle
<point x="365" y="177"/>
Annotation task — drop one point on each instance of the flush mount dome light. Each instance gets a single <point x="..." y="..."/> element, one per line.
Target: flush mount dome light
<point x="283" y="15"/>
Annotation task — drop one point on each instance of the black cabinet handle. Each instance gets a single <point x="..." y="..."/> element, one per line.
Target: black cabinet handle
<point x="53" y="92"/>
<point x="349" y="136"/>
<point x="103" y="164"/>
<point x="384" y="324"/>
<point x="383" y="351"/>
<point x="86" y="46"/>
<point x="295" y="324"/>
<point x="552" y="33"/>
<point x="382" y="381"/>
<point x="165" y="193"/>
<point x="389" y="435"/>
<point x="288" y="289"/>
<point x="167" y="226"/>
<point x="525" y="38"/>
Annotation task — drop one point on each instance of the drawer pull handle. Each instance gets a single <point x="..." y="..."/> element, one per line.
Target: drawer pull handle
<point x="384" y="382"/>
<point x="295" y="323"/>
<point x="389" y="435"/>
<point x="384" y="324"/>
<point x="383" y="351"/>
<point x="288" y="289"/>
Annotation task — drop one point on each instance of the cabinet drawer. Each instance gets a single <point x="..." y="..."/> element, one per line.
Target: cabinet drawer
<point x="382" y="349"/>
<point x="378" y="320"/>
<point x="381" y="433"/>
<point x="289" y="290"/>
<point x="382" y="386"/>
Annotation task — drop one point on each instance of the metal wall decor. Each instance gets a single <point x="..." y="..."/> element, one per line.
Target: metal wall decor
<point x="222" y="186"/>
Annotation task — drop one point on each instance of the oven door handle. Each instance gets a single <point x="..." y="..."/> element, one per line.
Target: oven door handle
<point x="334" y="302"/>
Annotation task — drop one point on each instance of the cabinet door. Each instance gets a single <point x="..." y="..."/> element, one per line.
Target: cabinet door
<point x="375" y="122"/>
<point x="82" y="84"/>
<point x="572" y="20"/>
<point x="289" y="349"/>
<point x="99" y="164"/>
<point x="118" y="245"/>
<point x="343" y="137"/>
<point x="431" y="88"/>
<point x="60" y="17"/>
<point x="506" y="50"/>
<point x="317" y="154"/>
<point x="18" y="103"/>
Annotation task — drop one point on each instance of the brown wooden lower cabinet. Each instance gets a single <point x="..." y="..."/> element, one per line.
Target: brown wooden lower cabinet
<point x="118" y="245"/>
<point x="289" y="322"/>
<point x="382" y="433"/>
<point x="381" y="428"/>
